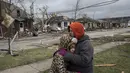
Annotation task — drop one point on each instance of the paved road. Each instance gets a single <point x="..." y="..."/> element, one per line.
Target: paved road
<point x="32" y="42"/>
<point x="49" y="39"/>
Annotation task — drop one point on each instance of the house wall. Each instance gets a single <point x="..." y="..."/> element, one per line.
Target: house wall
<point x="94" y="25"/>
<point x="69" y="23"/>
<point x="3" y="30"/>
<point x="86" y="25"/>
<point x="54" y="26"/>
<point x="124" y="24"/>
<point x="90" y="25"/>
<point x="129" y="24"/>
<point x="106" y="25"/>
<point x="62" y="26"/>
<point x="66" y="24"/>
<point x="21" y="27"/>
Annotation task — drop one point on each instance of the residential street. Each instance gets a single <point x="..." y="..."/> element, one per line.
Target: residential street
<point x="50" y="39"/>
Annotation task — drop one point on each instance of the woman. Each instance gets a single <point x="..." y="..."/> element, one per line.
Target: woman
<point x="82" y="59"/>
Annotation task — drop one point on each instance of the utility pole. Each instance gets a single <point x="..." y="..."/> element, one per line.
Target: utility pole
<point x="32" y="10"/>
<point x="94" y="15"/>
<point x="42" y="21"/>
<point x="0" y="11"/>
<point x="10" y="1"/>
<point x="32" y="14"/>
<point x="77" y="6"/>
<point x="9" y="34"/>
<point x="0" y="14"/>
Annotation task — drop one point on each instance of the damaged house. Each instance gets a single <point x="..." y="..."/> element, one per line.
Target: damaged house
<point x="58" y="23"/>
<point x="89" y="23"/>
<point x="21" y="23"/>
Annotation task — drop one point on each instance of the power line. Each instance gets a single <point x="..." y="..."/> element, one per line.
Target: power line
<point x="94" y="5"/>
<point x="100" y="4"/>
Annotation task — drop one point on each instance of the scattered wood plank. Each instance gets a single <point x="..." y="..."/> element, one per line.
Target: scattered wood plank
<point x="122" y="72"/>
<point x="105" y="65"/>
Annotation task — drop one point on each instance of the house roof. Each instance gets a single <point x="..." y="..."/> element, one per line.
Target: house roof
<point x="19" y="19"/>
<point x="58" y="19"/>
<point x="7" y="7"/>
<point x="84" y="19"/>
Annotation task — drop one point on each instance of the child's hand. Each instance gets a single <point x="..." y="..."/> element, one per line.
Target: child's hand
<point x="72" y="50"/>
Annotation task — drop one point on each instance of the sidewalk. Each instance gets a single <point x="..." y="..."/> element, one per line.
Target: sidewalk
<point x="44" y="65"/>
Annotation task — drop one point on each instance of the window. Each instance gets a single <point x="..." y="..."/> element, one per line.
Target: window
<point x="21" y="25"/>
<point x="59" y="24"/>
<point x="18" y="13"/>
<point x="65" y="24"/>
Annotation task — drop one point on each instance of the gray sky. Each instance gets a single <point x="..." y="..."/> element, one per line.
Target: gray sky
<point x="120" y="8"/>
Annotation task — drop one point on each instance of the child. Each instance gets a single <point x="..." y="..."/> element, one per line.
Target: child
<point x="58" y="63"/>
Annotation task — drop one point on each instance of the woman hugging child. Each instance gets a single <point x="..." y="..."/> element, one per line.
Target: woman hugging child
<point x="58" y="64"/>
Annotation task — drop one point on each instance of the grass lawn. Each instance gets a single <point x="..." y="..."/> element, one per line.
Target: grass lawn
<point x="31" y="56"/>
<point x="107" y="39"/>
<point x="26" y="57"/>
<point x="98" y="42"/>
<point x="113" y="38"/>
<point x="118" y="55"/>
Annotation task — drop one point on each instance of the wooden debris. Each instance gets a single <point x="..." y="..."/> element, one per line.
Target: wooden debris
<point x="105" y="65"/>
<point x="122" y="72"/>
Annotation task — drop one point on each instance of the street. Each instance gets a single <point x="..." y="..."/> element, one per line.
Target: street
<point x="49" y="39"/>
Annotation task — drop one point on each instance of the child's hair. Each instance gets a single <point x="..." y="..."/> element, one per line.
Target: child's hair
<point x="67" y="42"/>
<point x="64" y="41"/>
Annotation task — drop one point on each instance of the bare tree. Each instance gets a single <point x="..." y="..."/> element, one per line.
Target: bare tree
<point x="44" y="13"/>
<point x="22" y="4"/>
<point x="45" y="16"/>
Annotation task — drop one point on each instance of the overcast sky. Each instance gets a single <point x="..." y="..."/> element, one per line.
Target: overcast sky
<point x="120" y="8"/>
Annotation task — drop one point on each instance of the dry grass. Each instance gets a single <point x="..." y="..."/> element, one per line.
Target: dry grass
<point x="26" y="57"/>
